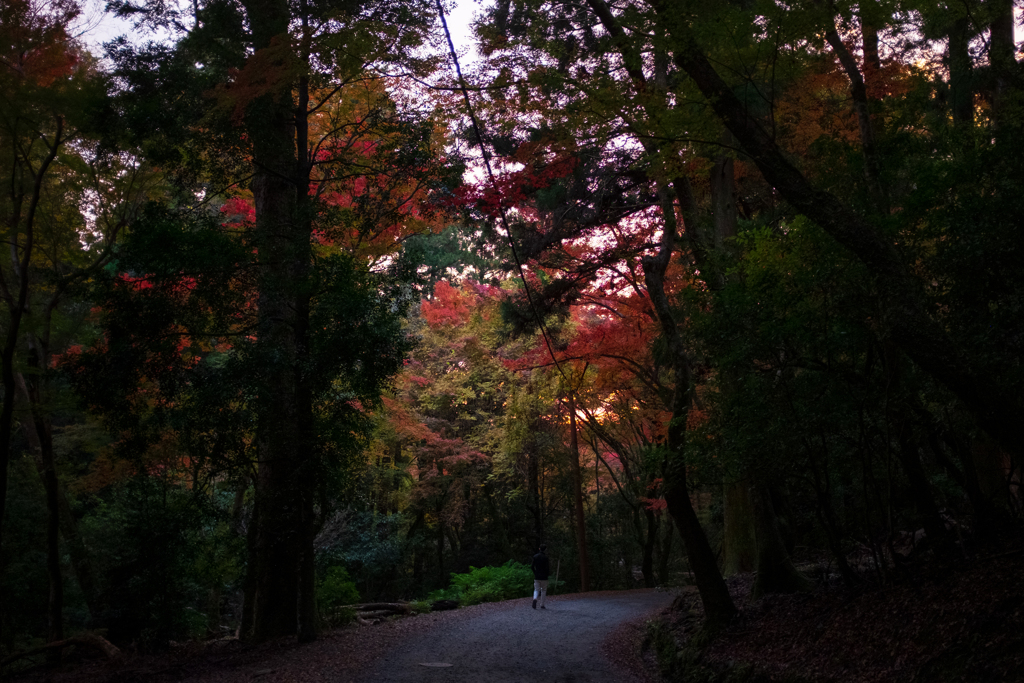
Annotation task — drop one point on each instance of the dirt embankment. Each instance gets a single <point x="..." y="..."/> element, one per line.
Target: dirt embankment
<point x="952" y="620"/>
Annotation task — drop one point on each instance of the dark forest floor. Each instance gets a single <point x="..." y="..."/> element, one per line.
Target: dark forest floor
<point x="940" y="620"/>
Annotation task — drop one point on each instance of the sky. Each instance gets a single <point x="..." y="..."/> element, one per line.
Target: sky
<point x="98" y="26"/>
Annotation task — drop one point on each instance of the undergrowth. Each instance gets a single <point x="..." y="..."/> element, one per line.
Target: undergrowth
<point x="489" y="584"/>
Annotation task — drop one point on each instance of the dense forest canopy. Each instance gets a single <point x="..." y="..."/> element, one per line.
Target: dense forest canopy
<point x="294" y="317"/>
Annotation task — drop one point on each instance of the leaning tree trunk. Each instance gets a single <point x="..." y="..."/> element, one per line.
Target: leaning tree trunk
<point x="718" y="606"/>
<point x="905" y="316"/>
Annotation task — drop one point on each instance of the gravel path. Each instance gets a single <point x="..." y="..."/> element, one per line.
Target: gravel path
<point x="571" y="640"/>
<point x="561" y="643"/>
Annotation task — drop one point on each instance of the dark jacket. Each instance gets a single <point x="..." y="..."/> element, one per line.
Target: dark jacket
<point x="540" y="566"/>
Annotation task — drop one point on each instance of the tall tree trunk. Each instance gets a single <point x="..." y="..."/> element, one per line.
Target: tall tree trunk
<point x="15" y="296"/>
<point x="1002" y="59"/>
<point x="775" y="570"/>
<point x="309" y="619"/>
<point x="723" y="197"/>
<point x="417" y="553"/>
<point x="907" y="451"/>
<point x="859" y="93"/>
<point x="869" y="44"/>
<point x="739" y="543"/>
<point x="300" y="297"/>
<point x="827" y="518"/>
<point x="77" y="552"/>
<point x="533" y="495"/>
<point x="739" y="547"/>
<point x="48" y="469"/>
<point x="961" y="86"/>
<point x="651" y="542"/>
<point x="577" y="477"/>
<point x="986" y="516"/>
<point x="441" y="576"/>
<point x="920" y="489"/>
<point x="905" y="314"/>
<point x="276" y="128"/>
<point x="246" y="626"/>
<point x="81" y="564"/>
<point x="665" y="552"/>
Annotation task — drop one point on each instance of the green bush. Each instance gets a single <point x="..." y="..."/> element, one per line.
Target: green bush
<point x="336" y="590"/>
<point x="488" y="584"/>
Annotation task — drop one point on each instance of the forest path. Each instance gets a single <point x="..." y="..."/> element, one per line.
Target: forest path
<point x="562" y="643"/>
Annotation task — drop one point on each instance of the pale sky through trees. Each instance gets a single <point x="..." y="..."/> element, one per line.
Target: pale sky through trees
<point x="98" y="26"/>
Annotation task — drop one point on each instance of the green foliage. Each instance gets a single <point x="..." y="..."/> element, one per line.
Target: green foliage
<point x="489" y="584"/>
<point x="369" y="547"/>
<point x="23" y="582"/>
<point x="336" y="590"/>
<point x="153" y="542"/>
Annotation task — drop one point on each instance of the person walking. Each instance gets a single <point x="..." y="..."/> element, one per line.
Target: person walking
<point x="541" y="568"/>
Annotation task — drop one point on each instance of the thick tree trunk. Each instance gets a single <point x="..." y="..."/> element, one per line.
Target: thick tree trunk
<point x="248" y="619"/>
<point x="417" y="553"/>
<point x="442" y="576"/>
<point x="1002" y="60"/>
<point x="665" y="552"/>
<point x="905" y="318"/>
<point x="286" y="474"/>
<point x="309" y="619"/>
<point x="907" y="452"/>
<point x="775" y="570"/>
<point x="723" y="197"/>
<point x="958" y="61"/>
<point x="869" y="43"/>
<point x="920" y="489"/>
<point x="650" y="543"/>
<point x="986" y="516"/>
<point x="740" y="546"/>
<point x="577" y="477"/>
<point x="829" y="523"/>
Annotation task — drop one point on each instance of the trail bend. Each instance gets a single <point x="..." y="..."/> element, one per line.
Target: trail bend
<point x="562" y="643"/>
